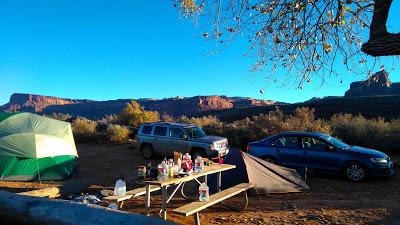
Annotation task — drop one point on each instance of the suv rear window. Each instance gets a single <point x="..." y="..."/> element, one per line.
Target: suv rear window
<point x="160" y="131"/>
<point x="146" y="129"/>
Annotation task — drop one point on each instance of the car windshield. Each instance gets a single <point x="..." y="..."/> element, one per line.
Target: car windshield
<point x="195" y="132"/>
<point x="336" y="142"/>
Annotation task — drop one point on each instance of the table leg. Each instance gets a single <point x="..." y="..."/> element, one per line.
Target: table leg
<point x="205" y="179"/>
<point x="183" y="191"/>
<point x="219" y="181"/>
<point x="164" y="202"/>
<point x="147" y="198"/>
<point x="121" y="203"/>
<point x="196" y="219"/>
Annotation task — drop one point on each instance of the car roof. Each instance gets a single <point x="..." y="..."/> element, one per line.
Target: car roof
<point x="300" y="133"/>
<point x="171" y="124"/>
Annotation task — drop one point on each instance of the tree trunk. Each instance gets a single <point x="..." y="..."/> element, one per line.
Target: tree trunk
<point x="378" y="25"/>
<point x="381" y="42"/>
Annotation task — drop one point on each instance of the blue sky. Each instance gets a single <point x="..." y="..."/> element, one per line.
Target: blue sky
<point x="128" y="49"/>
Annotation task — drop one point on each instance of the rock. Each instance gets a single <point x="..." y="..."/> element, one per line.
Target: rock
<point x="312" y="217"/>
<point x="377" y="84"/>
<point x="178" y="106"/>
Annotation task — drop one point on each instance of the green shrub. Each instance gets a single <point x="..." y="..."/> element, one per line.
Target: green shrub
<point x="59" y="116"/>
<point x="205" y="121"/>
<point x="372" y="133"/>
<point x="259" y="127"/>
<point x="241" y="132"/>
<point x="167" y="118"/>
<point x="84" y="130"/>
<point x="134" y="115"/>
<point x="118" y="134"/>
<point x="110" y="119"/>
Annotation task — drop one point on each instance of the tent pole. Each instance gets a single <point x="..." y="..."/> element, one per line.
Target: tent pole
<point x="37" y="167"/>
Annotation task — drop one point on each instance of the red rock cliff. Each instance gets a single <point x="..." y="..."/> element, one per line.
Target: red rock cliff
<point x="97" y="109"/>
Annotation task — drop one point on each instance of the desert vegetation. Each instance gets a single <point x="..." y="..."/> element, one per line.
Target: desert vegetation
<point x="112" y="128"/>
<point x="134" y="115"/>
<point x="376" y="133"/>
<point x="258" y="127"/>
<point x="117" y="133"/>
<point x="84" y="130"/>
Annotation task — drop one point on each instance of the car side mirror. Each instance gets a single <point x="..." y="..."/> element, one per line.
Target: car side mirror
<point x="330" y="148"/>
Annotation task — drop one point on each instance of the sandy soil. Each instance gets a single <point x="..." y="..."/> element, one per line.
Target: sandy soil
<point x="331" y="200"/>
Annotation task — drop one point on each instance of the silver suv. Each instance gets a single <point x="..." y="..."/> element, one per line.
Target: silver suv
<point x="163" y="138"/>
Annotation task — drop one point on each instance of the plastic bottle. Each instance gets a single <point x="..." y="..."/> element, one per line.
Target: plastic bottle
<point x="148" y="170"/>
<point x="171" y="171"/>
<point x="160" y="169"/>
<point x="166" y="169"/>
<point x="163" y="170"/>
<point x="198" y="165"/>
<point x="187" y="162"/>
<point x="204" y="192"/>
<point x="120" y="187"/>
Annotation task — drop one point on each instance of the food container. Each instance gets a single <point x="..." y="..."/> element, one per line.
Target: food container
<point x="141" y="171"/>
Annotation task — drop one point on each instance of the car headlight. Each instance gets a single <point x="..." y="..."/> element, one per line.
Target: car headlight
<point x="379" y="160"/>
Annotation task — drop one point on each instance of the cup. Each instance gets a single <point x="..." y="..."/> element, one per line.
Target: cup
<point x="220" y="160"/>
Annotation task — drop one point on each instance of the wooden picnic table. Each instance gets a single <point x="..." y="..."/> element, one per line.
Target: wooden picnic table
<point x="164" y="184"/>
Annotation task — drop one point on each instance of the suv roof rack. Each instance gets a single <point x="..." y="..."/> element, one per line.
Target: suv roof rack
<point x="171" y="124"/>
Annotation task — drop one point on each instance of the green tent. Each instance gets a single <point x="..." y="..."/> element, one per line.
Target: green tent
<point x="34" y="147"/>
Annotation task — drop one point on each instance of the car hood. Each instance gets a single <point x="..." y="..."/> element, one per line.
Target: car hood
<point x="367" y="152"/>
<point x="209" y="139"/>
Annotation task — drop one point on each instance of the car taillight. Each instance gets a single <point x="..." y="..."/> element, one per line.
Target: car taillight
<point x="248" y="148"/>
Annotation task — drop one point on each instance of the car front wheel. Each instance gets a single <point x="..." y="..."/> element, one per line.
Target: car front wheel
<point x="355" y="172"/>
<point x="147" y="151"/>
<point x="198" y="152"/>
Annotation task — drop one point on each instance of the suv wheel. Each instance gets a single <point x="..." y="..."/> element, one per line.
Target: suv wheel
<point x="355" y="172"/>
<point x="147" y="151"/>
<point x="200" y="152"/>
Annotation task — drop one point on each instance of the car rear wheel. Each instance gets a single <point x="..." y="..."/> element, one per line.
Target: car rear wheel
<point x="355" y="172"/>
<point x="147" y="151"/>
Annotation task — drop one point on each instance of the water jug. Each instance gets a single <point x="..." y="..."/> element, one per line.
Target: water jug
<point x="120" y="187"/>
<point x="163" y="170"/>
<point x="203" y="192"/>
<point x="198" y="165"/>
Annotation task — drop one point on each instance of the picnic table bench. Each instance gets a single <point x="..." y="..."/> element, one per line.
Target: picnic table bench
<point x="195" y="207"/>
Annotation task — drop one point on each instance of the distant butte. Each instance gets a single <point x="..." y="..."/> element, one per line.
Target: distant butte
<point x="177" y="106"/>
<point x="376" y="85"/>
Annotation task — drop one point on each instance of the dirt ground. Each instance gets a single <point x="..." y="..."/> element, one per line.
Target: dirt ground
<point x="331" y="200"/>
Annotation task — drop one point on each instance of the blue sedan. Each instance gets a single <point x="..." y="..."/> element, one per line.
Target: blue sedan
<point x="323" y="153"/>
